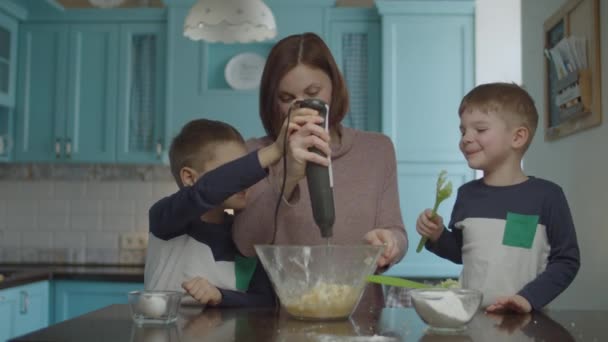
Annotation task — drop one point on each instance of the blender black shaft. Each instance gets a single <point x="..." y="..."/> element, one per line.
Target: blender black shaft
<point x="319" y="181"/>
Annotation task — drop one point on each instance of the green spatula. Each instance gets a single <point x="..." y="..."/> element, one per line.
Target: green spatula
<point x="394" y="281"/>
<point x="441" y="193"/>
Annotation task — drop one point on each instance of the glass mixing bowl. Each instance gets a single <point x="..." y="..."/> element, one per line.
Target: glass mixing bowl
<point x="319" y="282"/>
<point x="446" y="310"/>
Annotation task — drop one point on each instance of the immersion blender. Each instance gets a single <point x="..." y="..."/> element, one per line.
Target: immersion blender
<point x="320" y="179"/>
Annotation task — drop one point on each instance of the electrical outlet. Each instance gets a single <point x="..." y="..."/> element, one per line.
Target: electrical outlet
<point x="134" y="240"/>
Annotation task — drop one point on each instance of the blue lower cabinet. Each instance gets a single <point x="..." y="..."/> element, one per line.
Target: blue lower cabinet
<point x="74" y="298"/>
<point x="8" y="304"/>
<point x="24" y="309"/>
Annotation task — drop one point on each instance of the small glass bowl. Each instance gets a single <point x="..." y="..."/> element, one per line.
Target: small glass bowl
<point x="154" y="307"/>
<point x="446" y="310"/>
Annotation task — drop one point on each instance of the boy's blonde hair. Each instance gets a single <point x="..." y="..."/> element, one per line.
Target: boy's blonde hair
<point x="195" y="144"/>
<point x="508" y="100"/>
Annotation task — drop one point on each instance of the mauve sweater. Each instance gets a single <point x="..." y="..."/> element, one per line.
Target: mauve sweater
<point x="365" y="195"/>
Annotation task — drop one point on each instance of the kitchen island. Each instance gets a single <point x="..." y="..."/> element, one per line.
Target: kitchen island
<point x="368" y="323"/>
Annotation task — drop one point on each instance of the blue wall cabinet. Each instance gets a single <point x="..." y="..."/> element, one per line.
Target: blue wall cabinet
<point x="141" y="93"/>
<point x="24" y="309"/>
<point x="74" y="298"/>
<point x="66" y="108"/>
<point x="427" y="67"/>
<point x="355" y="43"/>
<point x="8" y="59"/>
<point x="6" y="133"/>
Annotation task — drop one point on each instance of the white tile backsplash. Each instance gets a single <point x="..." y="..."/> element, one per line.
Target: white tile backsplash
<point x="22" y="207"/>
<point x="21" y="223"/>
<point x="69" y="190"/>
<point x="53" y="223"/>
<point x="118" y="207"/>
<point x="73" y="221"/>
<point x="135" y="190"/>
<point x="2" y="214"/>
<point x="85" y="223"/>
<point x="69" y="239"/>
<point x="107" y="240"/>
<point x="37" y="239"/>
<point x="10" y="238"/>
<point x="37" y="190"/>
<point x="10" y="190"/>
<point x="118" y="223"/>
<point x="85" y="207"/>
<point x="103" y="191"/>
<point x="53" y="207"/>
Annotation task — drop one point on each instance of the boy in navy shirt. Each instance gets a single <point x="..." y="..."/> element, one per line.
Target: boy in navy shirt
<point x="512" y="233"/>
<point x="190" y="244"/>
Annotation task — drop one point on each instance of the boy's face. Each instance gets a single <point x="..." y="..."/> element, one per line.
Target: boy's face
<point x="487" y="141"/>
<point x="226" y="152"/>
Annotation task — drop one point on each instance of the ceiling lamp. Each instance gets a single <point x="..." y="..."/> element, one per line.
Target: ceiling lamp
<point x="230" y="21"/>
<point x="106" y="3"/>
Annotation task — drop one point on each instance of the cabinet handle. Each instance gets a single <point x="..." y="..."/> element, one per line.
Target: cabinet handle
<point x="25" y="302"/>
<point x="68" y="148"/>
<point x="57" y="148"/>
<point x="159" y="149"/>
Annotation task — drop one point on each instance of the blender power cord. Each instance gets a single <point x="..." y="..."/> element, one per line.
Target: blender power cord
<point x="276" y="208"/>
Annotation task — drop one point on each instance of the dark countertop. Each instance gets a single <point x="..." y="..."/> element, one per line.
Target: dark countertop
<point x="16" y="274"/>
<point x="368" y="323"/>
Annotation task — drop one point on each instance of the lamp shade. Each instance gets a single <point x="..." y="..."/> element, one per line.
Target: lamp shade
<point x="230" y="21"/>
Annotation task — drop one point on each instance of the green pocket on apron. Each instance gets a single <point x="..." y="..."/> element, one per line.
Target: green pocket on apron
<point x="243" y="269"/>
<point x="520" y="230"/>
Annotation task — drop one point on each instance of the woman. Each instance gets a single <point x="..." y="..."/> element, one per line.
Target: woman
<point x="364" y="167"/>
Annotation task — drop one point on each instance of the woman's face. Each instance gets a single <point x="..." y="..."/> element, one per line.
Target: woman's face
<point x="303" y="82"/>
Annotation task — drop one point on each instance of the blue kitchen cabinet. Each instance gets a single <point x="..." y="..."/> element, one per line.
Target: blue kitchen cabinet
<point x="6" y="133"/>
<point x="67" y="92"/>
<point x="8" y="307"/>
<point x="8" y="59"/>
<point x="24" y="309"/>
<point x="427" y="67"/>
<point x="141" y="94"/>
<point x="74" y="298"/>
<point x="355" y="43"/>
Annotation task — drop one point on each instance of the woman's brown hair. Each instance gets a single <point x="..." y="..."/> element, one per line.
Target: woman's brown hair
<point x="308" y="49"/>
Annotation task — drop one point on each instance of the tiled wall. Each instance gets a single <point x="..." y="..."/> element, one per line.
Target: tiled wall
<point x="73" y="221"/>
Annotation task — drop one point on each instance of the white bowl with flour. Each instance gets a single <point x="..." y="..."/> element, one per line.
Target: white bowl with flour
<point x="446" y="310"/>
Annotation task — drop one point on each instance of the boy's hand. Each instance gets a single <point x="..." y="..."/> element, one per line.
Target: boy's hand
<point x="510" y="323"/>
<point x="429" y="227"/>
<point x="386" y="238"/>
<point x="201" y="290"/>
<point x="516" y="303"/>
<point x="270" y="154"/>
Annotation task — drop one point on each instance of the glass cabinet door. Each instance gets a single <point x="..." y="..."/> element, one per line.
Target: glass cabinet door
<point x="141" y="114"/>
<point x="8" y="57"/>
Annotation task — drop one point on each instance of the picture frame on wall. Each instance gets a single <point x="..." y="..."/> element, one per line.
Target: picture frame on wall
<point x="572" y="69"/>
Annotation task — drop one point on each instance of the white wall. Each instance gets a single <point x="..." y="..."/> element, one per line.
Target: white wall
<point x="578" y="163"/>
<point x="497" y="41"/>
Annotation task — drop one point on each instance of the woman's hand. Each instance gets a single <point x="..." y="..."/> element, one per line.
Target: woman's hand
<point x="201" y="290"/>
<point x="386" y="238"/>
<point x="309" y="134"/>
